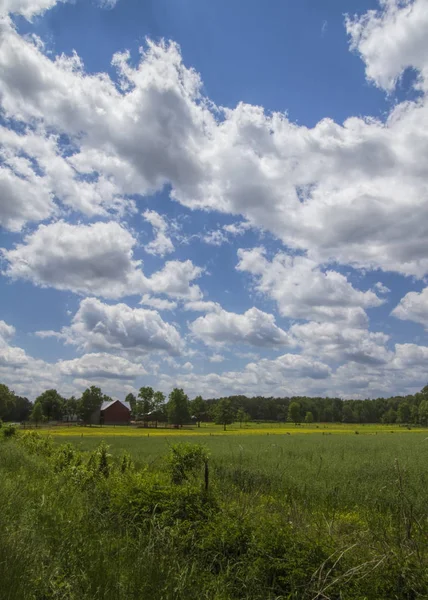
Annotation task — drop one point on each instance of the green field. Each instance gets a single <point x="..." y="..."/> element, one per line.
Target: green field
<point x="285" y="516"/>
<point x="210" y="429"/>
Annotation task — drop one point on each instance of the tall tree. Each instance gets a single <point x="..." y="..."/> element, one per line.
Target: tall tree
<point x="37" y="413"/>
<point x="158" y="404"/>
<point x="403" y="413"/>
<point x="178" y="407"/>
<point x="224" y="413"/>
<point x="242" y="417"/>
<point x="70" y="407"/>
<point x="6" y="400"/>
<point x="145" y="402"/>
<point x="91" y="400"/>
<point x="52" y="405"/>
<point x="19" y="410"/>
<point x="309" y="417"/>
<point x="294" y="412"/>
<point x="423" y="413"/>
<point x="198" y="409"/>
<point x="132" y="402"/>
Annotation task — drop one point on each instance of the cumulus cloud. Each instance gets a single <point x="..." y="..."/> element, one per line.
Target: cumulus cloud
<point x="202" y="306"/>
<point x="286" y="375"/>
<point x="216" y="358"/>
<point x="391" y="39"/>
<point x="302" y="290"/>
<point x="381" y="288"/>
<point x="23" y="373"/>
<point x="94" y="259"/>
<point x="162" y="244"/>
<point x="413" y="307"/>
<point x="175" y="280"/>
<point x="254" y="327"/>
<point x="37" y="181"/>
<point x="6" y="331"/>
<point x="215" y="238"/>
<point x="158" y="303"/>
<point x="87" y="259"/>
<point x="26" y="8"/>
<point x="342" y="192"/>
<point x="101" y="365"/>
<point x="119" y="328"/>
<point x="333" y="341"/>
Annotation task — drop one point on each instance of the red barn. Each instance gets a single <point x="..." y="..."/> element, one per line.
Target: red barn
<point x="115" y="412"/>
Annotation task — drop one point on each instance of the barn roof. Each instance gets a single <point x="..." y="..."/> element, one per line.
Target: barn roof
<point x="109" y="403"/>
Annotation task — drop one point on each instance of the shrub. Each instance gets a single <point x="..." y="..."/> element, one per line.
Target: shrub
<point x="9" y="432"/>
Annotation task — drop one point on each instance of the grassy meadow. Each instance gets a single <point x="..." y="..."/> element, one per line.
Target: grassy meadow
<point x="320" y="516"/>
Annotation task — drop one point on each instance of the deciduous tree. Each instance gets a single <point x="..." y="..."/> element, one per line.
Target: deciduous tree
<point x="294" y="412"/>
<point x="224" y="413"/>
<point x="91" y="400"/>
<point x="178" y="407"/>
<point x="198" y="409"/>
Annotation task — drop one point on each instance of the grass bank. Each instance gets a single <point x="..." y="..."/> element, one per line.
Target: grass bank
<point x="289" y="517"/>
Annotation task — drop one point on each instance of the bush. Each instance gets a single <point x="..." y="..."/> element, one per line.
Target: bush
<point x="9" y="432"/>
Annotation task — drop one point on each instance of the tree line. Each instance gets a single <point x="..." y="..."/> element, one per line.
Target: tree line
<point x="153" y="406"/>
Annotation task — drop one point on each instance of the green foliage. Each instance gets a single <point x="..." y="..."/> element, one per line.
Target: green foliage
<point x="132" y="403"/>
<point x="52" y="404"/>
<point x="185" y="461"/>
<point x="145" y="402"/>
<point x="37" y="413"/>
<point x="198" y="409"/>
<point x="6" y="400"/>
<point x="302" y="518"/>
<point x="309" y="417"/>
<point x="294" y="412"/>
<point x="8" y="432"/>
<point x="178" y="407"/>
<point x="91" y="400"/>
<point x="242" y="416"/>
<point x="224" y="414"/>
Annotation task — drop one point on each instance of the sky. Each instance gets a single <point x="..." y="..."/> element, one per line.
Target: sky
<point x="227" y="200"/>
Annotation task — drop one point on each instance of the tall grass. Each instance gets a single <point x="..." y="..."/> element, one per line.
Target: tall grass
<point x="284" y="518"/>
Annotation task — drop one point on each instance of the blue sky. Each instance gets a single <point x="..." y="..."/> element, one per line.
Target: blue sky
<point x="227" y="200"/>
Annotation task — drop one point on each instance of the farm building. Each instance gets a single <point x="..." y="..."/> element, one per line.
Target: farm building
<point x="112" y="412"/>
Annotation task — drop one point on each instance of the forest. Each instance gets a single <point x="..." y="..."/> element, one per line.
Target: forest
<point x="153" y="405"/>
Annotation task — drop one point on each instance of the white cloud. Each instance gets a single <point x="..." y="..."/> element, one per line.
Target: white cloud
<point x="22" y="200"/>
<point x="6" y="331"/>
<point x="286" y="375"/>
<point x="411" y="356"/>
<point x="158" y="303"/>
<point x="301" y="290"/>
<point x="334" y="341"/>
<point x="94" y="259"/>
<point x="202" y="306"/>
<point x="26" y="8"/>
<point x="101" y="365"/>
<point x="119" y="328"/>
<point x="87" y="259"/>
<point x="413" y="307"/>
<point x="162" y="244"/>
<point x="381" y="288"/>
<point x="109" y="4"/>
<point x="215" y="238"/>
<point x="216" y="358"/>
<point x="175" y="280"/>
<point x="391" y="39"/>
<point x="23" y="373"/>
<point x="37" y="180"/>
<point x="353" y="193"/>
<point x="237" y="228"/>
<point x="254" y="327"/>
